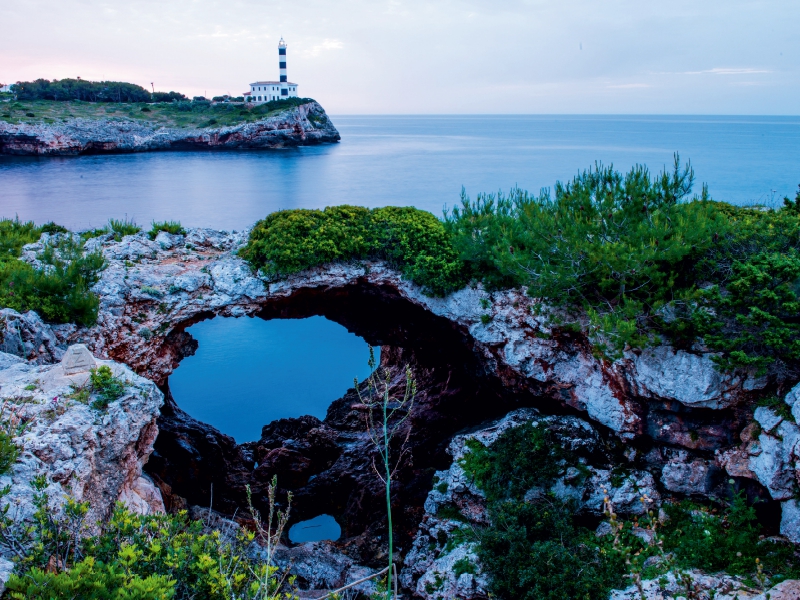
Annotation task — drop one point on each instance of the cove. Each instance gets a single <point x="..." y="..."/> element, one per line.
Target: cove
<point x="248" y="372"/>
<point x="323" y="527"/>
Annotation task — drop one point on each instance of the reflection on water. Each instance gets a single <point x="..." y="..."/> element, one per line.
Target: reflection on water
<point x="403" y="160"/>
<point x="323" y="527"/>
<point x="248" y="372"/>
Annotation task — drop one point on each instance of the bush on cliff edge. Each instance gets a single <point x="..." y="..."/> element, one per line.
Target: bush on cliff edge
<point x="59" y="292"/>
<point x="412" y="240"/>
<point x="634" y="252"/>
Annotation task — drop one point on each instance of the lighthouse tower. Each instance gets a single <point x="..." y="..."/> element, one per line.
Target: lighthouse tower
<point x="268" y="91"/>
<point x="282" y="66"/>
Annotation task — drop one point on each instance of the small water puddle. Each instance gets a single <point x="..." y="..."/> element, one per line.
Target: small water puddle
<point x="248" y="372"/>
<point x="323" y="527"/>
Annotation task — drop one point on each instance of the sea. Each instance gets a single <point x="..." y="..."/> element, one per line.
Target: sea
<point x="247" y="371"/>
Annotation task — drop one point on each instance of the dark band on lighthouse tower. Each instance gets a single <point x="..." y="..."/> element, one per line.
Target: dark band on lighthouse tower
<point x="282" y="66"/>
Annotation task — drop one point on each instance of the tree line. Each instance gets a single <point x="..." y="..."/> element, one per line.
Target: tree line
<point x="89" y="91"/>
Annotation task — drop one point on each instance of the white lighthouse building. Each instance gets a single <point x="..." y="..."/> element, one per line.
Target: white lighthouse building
<point x="266" y="91"/>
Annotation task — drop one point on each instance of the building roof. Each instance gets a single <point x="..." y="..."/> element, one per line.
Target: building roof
<point x="273" y="83"/>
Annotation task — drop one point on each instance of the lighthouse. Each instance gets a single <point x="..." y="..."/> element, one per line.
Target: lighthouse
<point x="267" y="91"/>
<point x="282" y="67"/>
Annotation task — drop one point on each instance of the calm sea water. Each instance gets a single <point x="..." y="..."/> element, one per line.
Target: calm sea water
<point x="416" y="160"/>
<point x="248" y="372"/>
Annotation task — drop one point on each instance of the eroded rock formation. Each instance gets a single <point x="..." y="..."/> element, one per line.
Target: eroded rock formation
<point x="89" y="454"/>
<point x="306" y="124"/>
<point x="667" y="415"/>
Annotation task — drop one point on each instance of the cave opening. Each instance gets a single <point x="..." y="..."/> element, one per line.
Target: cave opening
<point x="248" y="372"/>
<point x="326" y="462"/>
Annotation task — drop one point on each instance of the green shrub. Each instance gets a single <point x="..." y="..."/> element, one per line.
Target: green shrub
<point x="8" y="452"/>
<point x="133" y="556"/>
<point x="146" y="289"/>
<point x="80" y="89"/>
<point x="727" y="540"/>
<point x="61" y="292"/>
<point x="14" y="234"/>
<point x="609" y="244"/>
<point x="52" y="228"/>
<point x="173" y="227"/>
<point x="464" y="565"/>
<point x="535" y="549"/>
<point x="412" y="240"/>
<point x="123" y="227"/>
<point x="106" y="386"/>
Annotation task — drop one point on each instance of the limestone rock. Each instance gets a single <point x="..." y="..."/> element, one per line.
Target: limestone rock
<point x="428" y="566"/>
<point x="687" y="476"/>
<point x="786" y="590"/>
<point x="27" y="336"/>
<point x="774" y="458"/>
<point x="306" y="124"/>
<point x="790" y="520"/>
<point x="672" y="586"/>
<point x="77" y="359"/>
<point x="89" y="454"/>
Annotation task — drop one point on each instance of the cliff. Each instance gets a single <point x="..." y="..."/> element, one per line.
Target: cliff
<point x="662" y="422"/>
<point x="305" y="124"/>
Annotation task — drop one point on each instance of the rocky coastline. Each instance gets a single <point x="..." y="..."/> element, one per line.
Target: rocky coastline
<point x="302" y="125"/>
<point x="667" y="418"/>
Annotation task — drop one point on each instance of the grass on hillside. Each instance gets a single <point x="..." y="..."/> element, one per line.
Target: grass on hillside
<point x="167" y="114"/>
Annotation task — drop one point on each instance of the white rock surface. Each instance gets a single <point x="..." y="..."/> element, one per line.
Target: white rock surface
<point x="701" y="586"/>
<point x="93" y="455"/>
<point x="428" y="566"/>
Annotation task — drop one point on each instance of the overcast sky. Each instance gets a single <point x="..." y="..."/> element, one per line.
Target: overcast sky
<point x="415" y="56"/>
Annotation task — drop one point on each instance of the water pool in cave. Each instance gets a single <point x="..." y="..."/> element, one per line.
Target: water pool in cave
<point x="248" y="372"/>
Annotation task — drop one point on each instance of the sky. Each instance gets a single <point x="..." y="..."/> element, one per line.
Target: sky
<point x="429" y="57"/>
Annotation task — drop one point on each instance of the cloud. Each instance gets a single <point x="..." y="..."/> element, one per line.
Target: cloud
<point x="629" y="86"/>
<point x="325" y="46"/>
<point x="718" y="71"/>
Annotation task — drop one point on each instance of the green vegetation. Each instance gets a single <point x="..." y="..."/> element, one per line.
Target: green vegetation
<point x="634" y="253"/>
<point x="728" y="539"/>
<point x="173" y="227"/>
<point x="105" y="386"/>
<point x="136" y="557"/>
<point x="60" y="292"/>
<point x="536" y="549"/>
<point x="8" y="452"/>
<point x="80" y="89"/>
<point x="176" y="113"/>
<point x="123" y="227"/>
<point x="412" y="240"/>
<point x="642" y="260"/>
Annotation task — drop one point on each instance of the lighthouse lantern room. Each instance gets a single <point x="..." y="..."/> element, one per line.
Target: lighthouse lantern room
<point x="266" y="91"/>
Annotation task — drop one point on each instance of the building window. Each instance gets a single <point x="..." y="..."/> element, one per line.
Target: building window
<point x="284" y="92"/>
<point x="259" y="98"/>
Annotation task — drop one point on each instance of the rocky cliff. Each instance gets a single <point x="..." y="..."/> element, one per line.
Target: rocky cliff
<point x="306" y="124"/>
<point x="83" y="452"/>
<point x="667" y="417"/>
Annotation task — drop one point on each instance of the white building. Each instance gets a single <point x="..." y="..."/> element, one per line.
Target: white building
<point x="265" y="91"/>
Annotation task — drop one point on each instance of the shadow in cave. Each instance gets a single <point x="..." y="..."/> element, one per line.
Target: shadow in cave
<point x="327" y="464"/>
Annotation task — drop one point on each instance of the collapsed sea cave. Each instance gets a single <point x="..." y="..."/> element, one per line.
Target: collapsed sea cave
<point x="327" y="464"/>
<point x="659" y="422"/>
